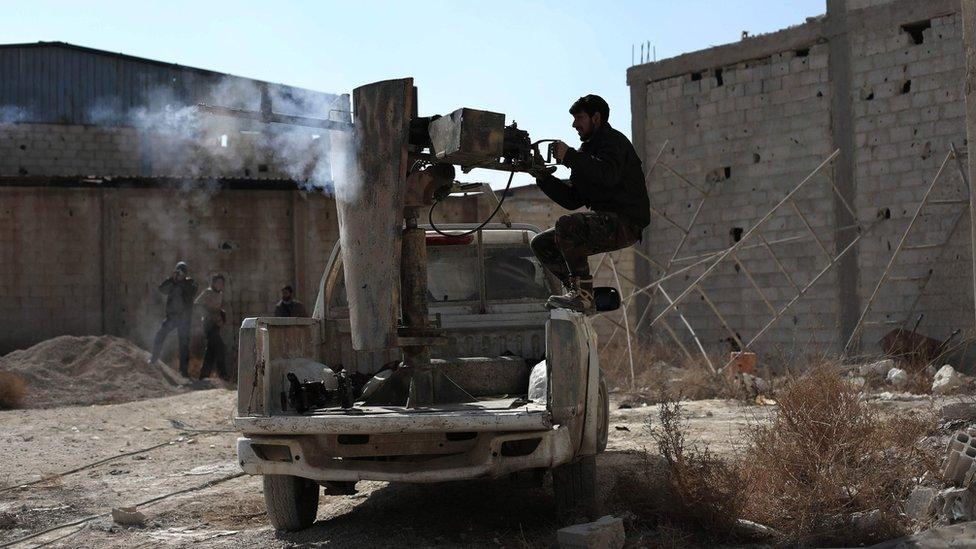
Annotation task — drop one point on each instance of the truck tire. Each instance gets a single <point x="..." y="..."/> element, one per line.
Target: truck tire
<point x="574" y="487"/>
<point x="292" y="502"/>
<point x="603" y="417"/>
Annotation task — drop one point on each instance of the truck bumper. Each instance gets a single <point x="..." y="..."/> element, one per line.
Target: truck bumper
<point x="491" y="455"/>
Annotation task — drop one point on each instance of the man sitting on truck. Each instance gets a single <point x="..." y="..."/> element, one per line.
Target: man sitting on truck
<point x="606" y="176"/>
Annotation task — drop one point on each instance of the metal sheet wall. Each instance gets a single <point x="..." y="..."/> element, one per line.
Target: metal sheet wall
<point x="66" y="84"/>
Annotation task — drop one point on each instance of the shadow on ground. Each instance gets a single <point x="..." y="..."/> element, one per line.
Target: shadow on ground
<point x="469" y="514"/>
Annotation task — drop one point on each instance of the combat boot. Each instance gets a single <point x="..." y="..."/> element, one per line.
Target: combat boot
<point x="579" y="298"/>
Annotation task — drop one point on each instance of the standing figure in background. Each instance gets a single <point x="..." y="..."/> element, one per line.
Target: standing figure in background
<point x="179" y="289"/>
<point x="211" y="301"/>
<point x="288" y="306"/>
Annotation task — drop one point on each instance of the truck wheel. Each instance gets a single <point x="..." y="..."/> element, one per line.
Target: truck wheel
<point x="603" y="417"/>
<point x="574" y="486"/>
<point x="292" y="502"/>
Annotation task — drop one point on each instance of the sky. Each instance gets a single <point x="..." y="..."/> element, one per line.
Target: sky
<point x="529" y="60"/>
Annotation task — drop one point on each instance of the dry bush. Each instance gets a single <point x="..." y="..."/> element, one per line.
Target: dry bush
<point x="705" y="489"/>
<point x="13" y="390"/>
<point x="825" y="469"/>
<point x="689" y="496"/>
<point x="826" y="456"/>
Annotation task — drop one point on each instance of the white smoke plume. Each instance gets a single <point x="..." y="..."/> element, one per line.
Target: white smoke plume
<point x="185" y="141"/>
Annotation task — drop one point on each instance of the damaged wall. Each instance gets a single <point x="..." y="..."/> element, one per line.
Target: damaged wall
<point x="880" y="80"/>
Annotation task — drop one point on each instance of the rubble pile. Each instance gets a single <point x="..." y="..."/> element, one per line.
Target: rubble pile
<point x="949" y="497"/>
<point x="887" y="373"/>
<point x="69" y="370"/>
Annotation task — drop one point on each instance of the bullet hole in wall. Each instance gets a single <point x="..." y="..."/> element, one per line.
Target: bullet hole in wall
<point x="927" y="150"/>
<point x="884" y="213"/>
<point x="718" y="174"/>
<point x="756" y="158"/>
<point x="736" y="233"/>
<point x="803" y="52"/>
<point x="23" y="147"/>
<point x="906" y="87"/>
<point x="718" y="77"/>
<point x="819" y="94"/>
<point x="696" y="76"/>
<point x="917" y="30"/>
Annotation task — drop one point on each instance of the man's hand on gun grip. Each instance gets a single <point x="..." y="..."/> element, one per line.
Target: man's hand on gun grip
<point x="559" y="149"/>
<point x="539" y="170"/>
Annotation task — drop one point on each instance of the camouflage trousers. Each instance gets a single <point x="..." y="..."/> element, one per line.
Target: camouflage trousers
<point x="564" y="248"/>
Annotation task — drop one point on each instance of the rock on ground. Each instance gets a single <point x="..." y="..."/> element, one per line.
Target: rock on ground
<point x="605" y="533"/>
<point x="897" y="377"/>
<point x="946" y="380"/>
<point x="879" y="368"/>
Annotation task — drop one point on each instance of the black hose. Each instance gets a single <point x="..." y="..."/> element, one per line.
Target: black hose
<point x="430" y="213"/>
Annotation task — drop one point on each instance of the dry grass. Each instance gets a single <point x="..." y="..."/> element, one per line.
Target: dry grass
<point x="824" y="460"/>
<point x="826" y="456"/>
<point x="689" y="497"/>
<point x="13" y="390"/>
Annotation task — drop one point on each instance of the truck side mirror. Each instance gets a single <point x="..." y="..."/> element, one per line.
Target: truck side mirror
<point x="606" y="298"/>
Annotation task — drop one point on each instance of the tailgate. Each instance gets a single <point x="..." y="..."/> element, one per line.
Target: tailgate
<point x="491" y="415"/>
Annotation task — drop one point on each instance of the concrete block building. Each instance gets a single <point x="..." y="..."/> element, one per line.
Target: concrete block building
<point x="881" y="81"/>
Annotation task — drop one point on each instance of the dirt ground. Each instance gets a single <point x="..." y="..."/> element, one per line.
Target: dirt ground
<point x="195" y="445"/>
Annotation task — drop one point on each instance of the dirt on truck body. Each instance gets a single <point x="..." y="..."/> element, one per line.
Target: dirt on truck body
<point x="537" y="402"/>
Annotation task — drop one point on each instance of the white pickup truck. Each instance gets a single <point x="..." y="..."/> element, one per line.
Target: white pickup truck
<point x="539" y="403"/>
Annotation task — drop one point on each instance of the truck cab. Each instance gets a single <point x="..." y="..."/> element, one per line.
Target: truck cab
<point x="537" y="403"/>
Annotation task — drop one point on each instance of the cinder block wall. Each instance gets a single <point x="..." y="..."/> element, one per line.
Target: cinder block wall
<point x="908" y="109"/>
<point x="88" y="260"/>
<point x="879" y="80"/>
<point x="28" y="149"/>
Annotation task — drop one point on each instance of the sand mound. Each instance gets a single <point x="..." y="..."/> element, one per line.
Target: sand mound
<point x="70" y="370"/>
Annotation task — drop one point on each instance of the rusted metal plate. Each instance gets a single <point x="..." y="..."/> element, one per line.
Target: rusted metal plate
<point x="567" y="358"/>
<point x="468" y="137"/>
<point x="370" y="207"/>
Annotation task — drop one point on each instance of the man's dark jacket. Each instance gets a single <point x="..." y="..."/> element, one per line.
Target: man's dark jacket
<point x="607" y="176"/>
<point x="289" y="309"/>
<point x="179" y="296"/>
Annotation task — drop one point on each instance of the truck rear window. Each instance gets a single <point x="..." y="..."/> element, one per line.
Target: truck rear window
<point x="511" y="273"/>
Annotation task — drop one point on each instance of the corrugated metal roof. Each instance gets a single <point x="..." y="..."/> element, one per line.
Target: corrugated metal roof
<point x="55" y="82"/>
